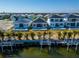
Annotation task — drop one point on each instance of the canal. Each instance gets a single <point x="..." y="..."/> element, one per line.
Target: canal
<point x="38" y="52"/>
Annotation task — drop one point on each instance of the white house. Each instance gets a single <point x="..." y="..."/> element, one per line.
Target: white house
<point x="72" y="21"/>
<point x="57" y="22"/>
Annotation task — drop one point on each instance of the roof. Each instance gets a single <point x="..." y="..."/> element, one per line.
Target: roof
<point x="22" y="19"/>
<point x="73" y="16"/>
<point x="39" y="20"/>
<point x="56" y="16"/>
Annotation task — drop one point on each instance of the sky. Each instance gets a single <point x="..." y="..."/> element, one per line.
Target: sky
<point x="39" y="6"/>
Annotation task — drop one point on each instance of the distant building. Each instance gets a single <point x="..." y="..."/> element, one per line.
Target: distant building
<point x="39" y="24"/>
<point x="21" y="23"/>
<point x="57" y="22"/>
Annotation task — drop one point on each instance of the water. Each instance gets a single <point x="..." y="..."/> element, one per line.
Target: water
<point x="37" y="52"/>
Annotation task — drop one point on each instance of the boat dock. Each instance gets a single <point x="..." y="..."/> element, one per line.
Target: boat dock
<point x="40" y="42"/>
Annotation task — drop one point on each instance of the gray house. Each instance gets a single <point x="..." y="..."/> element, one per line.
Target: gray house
<point x="39" y="24"/>
<point x="21" y="23"/>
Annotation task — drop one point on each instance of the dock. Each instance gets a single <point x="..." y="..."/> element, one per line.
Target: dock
<point x="40" y="42"/>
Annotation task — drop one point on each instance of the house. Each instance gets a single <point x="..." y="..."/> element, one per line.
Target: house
<point x="56" y="22"/>
<point x="72" y="21"/>
<point x="39" y="24"/>
<point x="21" y="23"/>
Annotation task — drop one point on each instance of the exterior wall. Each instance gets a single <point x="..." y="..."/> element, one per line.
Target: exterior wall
<point x="17" y="26"/>
<point x="57" y="23"/>
<point x="69" y="23"/>
<point x="77" y="24"/>
<point x="72" y="24"/>
<point x="43" y="24"/>
<point x="24" y="23"/>
<point x="54" y="24"/>
<point x="39" y="26"/>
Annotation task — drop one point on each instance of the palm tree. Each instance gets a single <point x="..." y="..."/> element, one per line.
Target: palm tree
<point x="29" y="36"/>
<point x="19" y="34"/>
<point x="26" y="35"/>
<point x="32" y="35"/>
<point x="78" y="34"/>
<point x="39" y="35"/>
<point x="69" y="35"/>
<point x="8" y="35"/>
<point x="49" y="33"/>
<point x="74" y="34"/>
<point x="59" y="35"/>
<point x="44" y="34"/>
<point x="2" y="35"/>
<point x="64" y="34"/>
<point x="13" y="34"/>
<point x="36" y="37"/>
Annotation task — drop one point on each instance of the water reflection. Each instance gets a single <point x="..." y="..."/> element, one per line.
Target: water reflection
<point x="31" y="52"/>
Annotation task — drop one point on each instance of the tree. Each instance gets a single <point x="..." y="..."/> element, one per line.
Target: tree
<point x="2" y="34"/>
<point x="69" y="35"/>
<point x="64" y="34"/>
<point x="6" y="17"/>
<point x="8" y="34"/>
<point x="19" y="34"/>
<point x="32" y="35"/>
<point x="44" y="34"/>
<point x="49" y="33"/>
<point x="39" y="35"/>
<point x="59" y="35"/>
<point x="74" y="34"/>
<point x="13" y="34"/>
<point x="26" y="36"/>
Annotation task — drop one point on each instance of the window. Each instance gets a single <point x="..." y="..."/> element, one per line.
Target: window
<point x="45" y="24"/>
<point x="61" y="20"/>
<point x="73" y="20"/>
<point x="77" y="24"/>
<point x="72" y="24"/>
<point x="39" y="25"/>
<point x="52" y="24"/>
<point x="57" y="25"/>
<point x="56" y="19"/>
<point x="21" y="25"/>
<point x="61" y="23"/>
<point x="68" y="23"/>
<point x="52" y="19"/>
<point x="26" y="24"/>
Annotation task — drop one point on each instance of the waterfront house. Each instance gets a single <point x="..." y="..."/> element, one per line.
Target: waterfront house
<point x="72" y="21"/>
<point x="56" y="22"/>
<point x="39" y="24"/>
<point x="21" y="23"/>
